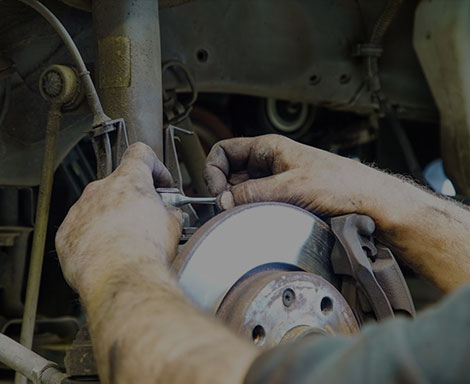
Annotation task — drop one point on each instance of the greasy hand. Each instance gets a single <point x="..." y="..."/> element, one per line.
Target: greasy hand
<point x="119" y="215"/>
<point x="274" y="168"/>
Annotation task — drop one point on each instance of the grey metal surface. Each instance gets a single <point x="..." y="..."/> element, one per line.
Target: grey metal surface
<point x="173" y="197"/>
<point x="296" y="50"/>
<point x="34" y="367"/>
<point x="234" y="242"/>
<point x="128" y="67"/>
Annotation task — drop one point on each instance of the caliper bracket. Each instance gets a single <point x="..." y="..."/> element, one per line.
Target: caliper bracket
<point x="372" y="279"/>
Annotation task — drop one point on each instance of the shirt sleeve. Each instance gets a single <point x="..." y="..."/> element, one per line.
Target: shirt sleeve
<point x="432" y="348"/>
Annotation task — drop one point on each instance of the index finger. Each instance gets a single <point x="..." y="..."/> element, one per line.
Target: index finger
<point x="257" y="156"/>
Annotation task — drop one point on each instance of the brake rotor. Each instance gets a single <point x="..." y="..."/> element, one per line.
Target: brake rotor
<point x="240" y="264"/>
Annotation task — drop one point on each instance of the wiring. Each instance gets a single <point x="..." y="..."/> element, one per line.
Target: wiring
<point x="99" y="117"/>
<point x="374" y="50"/>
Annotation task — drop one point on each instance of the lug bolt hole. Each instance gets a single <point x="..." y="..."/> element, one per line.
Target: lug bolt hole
<point x="258" y="335"/>
<point x="326" y="305"/>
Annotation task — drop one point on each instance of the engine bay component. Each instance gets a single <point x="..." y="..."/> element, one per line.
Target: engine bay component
<point x="64" y="93"/>
<point x="293" y="119"/>
<point x="108" y="151"/>
<point x="60" y="84"/>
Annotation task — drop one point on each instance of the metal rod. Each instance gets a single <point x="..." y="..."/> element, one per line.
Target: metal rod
<point x="40" y="230"/>
<point x="180" y="200"/>
<point x="99" y="116"/>
<point x="31" y="365"/>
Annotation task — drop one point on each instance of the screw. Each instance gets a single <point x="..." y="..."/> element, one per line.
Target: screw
<point x="288" y="297"/>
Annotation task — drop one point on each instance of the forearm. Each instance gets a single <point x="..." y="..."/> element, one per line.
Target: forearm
<point x="429" y="233"/>
<point x="144" y="330"/>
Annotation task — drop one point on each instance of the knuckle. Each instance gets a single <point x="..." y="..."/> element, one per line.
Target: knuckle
<point x="138" y="154"/>
<point x="215" y="149"/>
<point x="277" y="139"/>
<point x="221" y="143"/>
<point x="91" y="189"/>
<point x="139" y="150"/>
<point x="139" y="146"/>
<point x="272" y="137"/>
<point x="59" y="239"/>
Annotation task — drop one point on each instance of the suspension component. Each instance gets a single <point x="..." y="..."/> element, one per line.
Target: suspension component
<point x="58" y="85"/>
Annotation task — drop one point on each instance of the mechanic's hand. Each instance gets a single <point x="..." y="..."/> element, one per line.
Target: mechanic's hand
<point x="118" y="216"/>
<point x="274" y="168"/>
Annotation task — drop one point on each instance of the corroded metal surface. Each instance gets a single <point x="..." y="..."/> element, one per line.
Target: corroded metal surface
<point x="271" y="307"/>
<point x="80" y="360"/>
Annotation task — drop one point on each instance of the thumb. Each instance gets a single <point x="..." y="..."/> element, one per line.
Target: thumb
<point x="177" y="214"/>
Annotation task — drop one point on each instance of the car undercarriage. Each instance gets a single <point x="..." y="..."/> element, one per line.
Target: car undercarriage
<point x="382" y="82"/>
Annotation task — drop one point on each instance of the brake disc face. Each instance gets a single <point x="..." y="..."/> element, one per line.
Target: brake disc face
<point x="249" y="236"/>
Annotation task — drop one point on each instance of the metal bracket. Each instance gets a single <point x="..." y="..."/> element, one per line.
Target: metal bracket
<point x="110" y="141"/>
<point x="172" y="163"/>
<point x="372" y="280"/>
<point x="368" y="50"/>
<point x="8" y="236"/>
